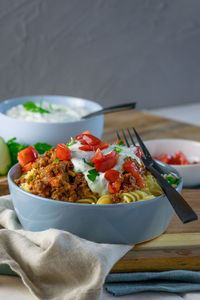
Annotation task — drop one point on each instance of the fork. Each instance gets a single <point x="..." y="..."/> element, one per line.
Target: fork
<point x="180" y="206"/>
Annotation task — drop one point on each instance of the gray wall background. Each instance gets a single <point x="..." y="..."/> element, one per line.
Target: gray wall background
<point x="111" y="51"/>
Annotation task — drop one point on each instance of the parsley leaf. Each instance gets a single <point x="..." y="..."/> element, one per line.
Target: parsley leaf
<point x="88" y="163"/>
<point x="42" y="147"/>
<point x="121" y="143"/>
<point x="92" y="174"/>
<point x="14" y="148"/>
<point x="31" y="106"/>
<point x="118" y="150"/>
<point x="72" y="142"/>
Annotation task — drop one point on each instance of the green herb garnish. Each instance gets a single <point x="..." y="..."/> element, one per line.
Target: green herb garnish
<point x="88" y="163"/>
<point x="173" y="180"/>
<point x="92" y="174"/>
<point x="121" y="143"/>
<point x="72" y="142"/>
<point x="31" y="106"/>
<point x="57" y="159"/>
<point x="42" y="147"/>
<point x="118" y="150"/>
<point x="14" y="148"/>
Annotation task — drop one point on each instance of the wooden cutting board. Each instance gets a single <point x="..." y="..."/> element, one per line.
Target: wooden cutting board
<point x="177" y="248"/>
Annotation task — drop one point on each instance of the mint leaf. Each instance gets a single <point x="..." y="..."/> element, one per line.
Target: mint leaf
<point x="42" y="147"/>
<point x="32" y="107"/>
<point x="118" y="150"/>
<point x="92" y="174"/>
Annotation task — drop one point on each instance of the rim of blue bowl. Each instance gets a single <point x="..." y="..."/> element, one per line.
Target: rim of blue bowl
<point x="48" y="123"/>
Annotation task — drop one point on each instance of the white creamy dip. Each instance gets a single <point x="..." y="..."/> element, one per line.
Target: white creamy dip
<point x="57" y="113"/>
<point x="100" y="185"/>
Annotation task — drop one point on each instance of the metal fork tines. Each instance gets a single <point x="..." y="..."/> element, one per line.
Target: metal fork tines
<point x="181" y="207"/>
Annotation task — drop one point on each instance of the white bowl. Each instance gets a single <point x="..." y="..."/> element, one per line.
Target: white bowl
<point x="52" y="133"/>
<point x="191" y="149"/>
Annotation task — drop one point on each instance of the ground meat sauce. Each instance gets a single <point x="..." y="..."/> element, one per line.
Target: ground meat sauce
<point x="55" y="179"/>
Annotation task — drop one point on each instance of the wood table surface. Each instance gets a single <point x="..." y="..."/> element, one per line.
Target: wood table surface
<point x="179" y="246"/>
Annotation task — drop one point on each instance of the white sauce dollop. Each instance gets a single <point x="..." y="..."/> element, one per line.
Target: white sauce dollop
<point x="58" y="113"/>
<point x="100" y="185"/>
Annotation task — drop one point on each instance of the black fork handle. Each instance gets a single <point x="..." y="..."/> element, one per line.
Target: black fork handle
<point x="181" y="207"/>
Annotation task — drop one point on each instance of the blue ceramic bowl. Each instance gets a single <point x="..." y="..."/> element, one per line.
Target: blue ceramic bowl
<point x="52" y="133"/>
<point x="126" y="223"/>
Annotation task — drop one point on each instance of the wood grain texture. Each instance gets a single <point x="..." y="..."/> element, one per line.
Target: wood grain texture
<point x="179" y="246"/>
<point x="149" y="126"/>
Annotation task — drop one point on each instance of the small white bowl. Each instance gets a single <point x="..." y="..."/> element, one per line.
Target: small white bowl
<point x="52" y="133"/>
<point x="191" y="149"/>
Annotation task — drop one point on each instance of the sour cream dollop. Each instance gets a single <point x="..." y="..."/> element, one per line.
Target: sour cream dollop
<point x="100" y="184"/>
<point x="57" y="113"/>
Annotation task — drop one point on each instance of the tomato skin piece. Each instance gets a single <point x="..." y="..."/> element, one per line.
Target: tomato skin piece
<point x="114" y="187"/>
<point x="112" y="175"/>
<point x="88" y="139"/>
<point x="86" y="148"/>
<point x="63" y="152"/>
<point x="94" y="148"/>
<point x="27" y="155"/>
<point x="98" y="156"/>
<point x="108" y="162"/>
<point x="130" y="167"/>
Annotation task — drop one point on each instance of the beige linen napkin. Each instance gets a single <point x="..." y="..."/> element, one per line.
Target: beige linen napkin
<point x="55" y="264"/>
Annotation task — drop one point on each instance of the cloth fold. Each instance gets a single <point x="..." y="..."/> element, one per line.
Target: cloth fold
<point x="55" y="264"/>
<point x="177" y="281"/>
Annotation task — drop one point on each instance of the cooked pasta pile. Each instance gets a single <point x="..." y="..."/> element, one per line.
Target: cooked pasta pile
<point x="87" y="170"/>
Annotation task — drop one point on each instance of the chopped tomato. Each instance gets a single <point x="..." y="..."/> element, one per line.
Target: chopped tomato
<point x="130" y="167"/>
<point x="166" y="158"/>
<point x="114" y="187"/>
<point x="112" y="175"/>
<point x="90" y="142"/>
<point x="108" y="162"/>
<point x="27" y="155"/>
<point x="87" y="139"/>
<point x="63" y="152"/>
<point x="98" y="156"/>
<point x="94" y="148"/>
<point x="178" y="159"/>
<point x="181" y="159"/>
<point x="27" y="167"/>
<point x="90" y="139"/>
